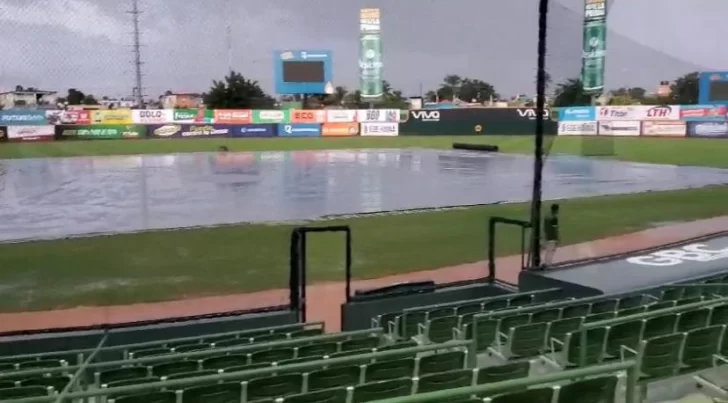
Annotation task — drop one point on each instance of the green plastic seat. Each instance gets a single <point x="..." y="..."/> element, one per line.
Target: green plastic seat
<point x="358" y="344"/>
<point x="149" y="352"/>
<point x="575" y="311"/>
<point x="441" y="362"/>
<point x="57" y="382"/>
<point x="661" y="305"/>
<point x="334" y="377"/>
<point x="546" y="315"/>
<point x="152" y="397"/>
<point x="570" y="354"/>
<point x="445" y="380"/>
<point x="623" y="334"/>
<point x="335" y="395"/>
<point x="386" y="370"/>
<point x="398" y="345"/>
<point x="373" y="391"/>
<point x="511" y="321"/>
<point x="690" y="300"/>
<point x="672" y="293"/>
<point x="410" y="322"/>
<point x="630" y="311"/>
<point x="514" y="370"/>
<point x="699" y="348"/>
<point x="594" y="390"/>
<point x="23" y="392"/>
<point x="229" y="392"/>
<point x="631" y="301"/>
<point x="304" y="333"/>
<point x="267" y="338"/>
<point x="440" y="330"/>
<point x="559" y="328"/>
<point x="469" y="309"/>
<point x="299" y="360"/>
<point x="7" y="366"/>
<point x="385" y="320"/>
<point x="494" y="304"/>
<point x="352" y="353"/>
<point x="274" y="386"/>
<point x="37" y="364"/>
<point x="540" y="395"/>
<point x="719" y="315"/>
<point x="660" y="356"/>
<point x="120" y="374"/>
<point x="273" y="355"/>
<point x="521" y="300"/>
<point x="186" y="348"/>
<point x="175" y="367"/>
<point x="183" y="375"/>
<point x="659" y="326"/>
<point x="607" y="305"/>
<point x="522" y="341"/>
<point x="484" y="331"/>
<point x="317" y="349"/>
<point x="6" y="384"/>
<point x="596" y="317"/>
<point x="225" y="361"/>
<point x="694" y="319"/>
<point x="440" y="312"/>
<point x="232" y="342"/>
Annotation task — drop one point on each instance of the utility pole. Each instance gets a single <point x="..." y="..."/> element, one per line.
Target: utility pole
<point x="138" y="91"/>
<point x="229" y="41"/>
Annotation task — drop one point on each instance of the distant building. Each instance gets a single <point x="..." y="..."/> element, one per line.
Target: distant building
<point x="181" y="100"/>
<point x="114" y="103"/>
<point x="27" y="98"/>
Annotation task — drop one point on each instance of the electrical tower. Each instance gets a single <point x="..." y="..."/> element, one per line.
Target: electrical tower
<point x="138" y="90"/>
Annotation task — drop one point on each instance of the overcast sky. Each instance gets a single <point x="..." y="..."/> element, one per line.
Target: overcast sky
<point x="57" y="44"/>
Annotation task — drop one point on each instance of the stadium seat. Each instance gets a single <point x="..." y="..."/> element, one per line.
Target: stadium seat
<point x="24" y="391"/>
<point x="131" y="381"/>
<point x="540" y="395"/>
<point x="359" y="344"/>
<point x="273" y="386"/>
<point x="659" y="325"/>
<point x="120" y="374"/>
<point x="373" y="391"/>
<point x="596" y="390"/>
<point x="694" y="319"/>
<point x="384" y="370"/>
<point x="442" y="362"/>
<point x="317" y="349"/>
<point x="660" y="356"/>
<point x="444" y="380"/>
<point x="227" y="361"/>
<point x="57" y="382"/>
<point x="334" y="377"/>
<point x="216" y="393"/>
<point x="700" y="346"/>
<point x="151" y="397"/>
<point x="521" y="341"/>
<point x="6" y="384"/>
<point x="559" y="328"/>
<point x="272" y="355"/>
<point x="566" y="353"/>
<point x="438" y="330"/>
<point x="719" y="315"/>
<point x="175" y="367"/>
<point x="513" y="370"/>
<point x="335" y="395"/>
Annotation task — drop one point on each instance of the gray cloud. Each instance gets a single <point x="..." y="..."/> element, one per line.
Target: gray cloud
<point x="59" y="44"/>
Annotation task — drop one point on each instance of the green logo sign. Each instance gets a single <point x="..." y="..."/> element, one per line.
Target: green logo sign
<point x="370" y="66"/>
<point x="103" y="131"/>
<point x="193" y="115"/>
<point x="593" y="56"/>
<point x="271" y="116"/>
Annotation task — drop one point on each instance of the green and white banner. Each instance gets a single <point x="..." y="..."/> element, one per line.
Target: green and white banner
<point x="595" y="46"/>
<point x="370" y="55"/>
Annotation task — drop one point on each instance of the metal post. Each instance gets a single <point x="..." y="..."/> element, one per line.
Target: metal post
<point x="543" y="9"/>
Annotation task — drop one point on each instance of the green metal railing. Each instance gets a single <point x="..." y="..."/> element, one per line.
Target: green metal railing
<point x="471" y="357"/>
<point x="477" y="300"/>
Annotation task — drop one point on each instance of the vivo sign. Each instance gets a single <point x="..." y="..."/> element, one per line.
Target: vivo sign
<point x="426" y="116"/>
<point x="531" y="113"/>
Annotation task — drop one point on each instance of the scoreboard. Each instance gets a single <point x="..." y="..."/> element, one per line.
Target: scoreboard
<point x="713" y="88"/>
<point x="303" y="72"/>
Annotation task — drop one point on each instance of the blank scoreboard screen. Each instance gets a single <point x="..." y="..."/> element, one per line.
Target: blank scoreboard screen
<point x="718" y="91"/>
<point x="303" y="72"/>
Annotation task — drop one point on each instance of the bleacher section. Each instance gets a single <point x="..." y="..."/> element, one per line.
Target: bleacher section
<point x="512" y="348"/>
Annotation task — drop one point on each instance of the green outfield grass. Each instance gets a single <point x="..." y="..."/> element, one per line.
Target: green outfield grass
<point x="684" y="151"/>
<point x="167" y="265"/>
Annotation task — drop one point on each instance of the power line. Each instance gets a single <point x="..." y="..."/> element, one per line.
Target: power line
<point x="138" y="90"/>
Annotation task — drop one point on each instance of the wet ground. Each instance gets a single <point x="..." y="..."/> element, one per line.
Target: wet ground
<point x="59" y="197"/>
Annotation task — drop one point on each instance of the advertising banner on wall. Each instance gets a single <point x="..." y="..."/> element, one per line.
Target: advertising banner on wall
<point x="474" y="121"/>
<point x="578" y="114"/>
<point x="340" y="129"/>
<point x="233" y="116"/>
<point x="253" y="130"/>
<point x="576" y="128"/>
<point x="93" y="132"/>
<point x="188" y="131"/>
<point x="20" y="117"/>
<point x="380" y="129"/>
<point x="669" y="128"/>
<point x="70" y="117"/>
<point x="299" y="130"/>
<point x="31" y="133"/>
<point x="152" y="116"/>
<point x="660" y="112"/>
<point x="632" y="112"/>
<point x="619" y="128"/>
<point x="704" y="113"/>
<point x="193" y="116"/>
<point x="707" y="129"/>
<point x="271" y="116"/>
<point x="341" y="116"/>
<point x="111" y="117"/>
<point x="307" y="116"/>
<point x="377" y="115"/>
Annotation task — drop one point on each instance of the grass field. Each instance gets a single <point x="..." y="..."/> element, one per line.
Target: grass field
<point x="173" y="264"/>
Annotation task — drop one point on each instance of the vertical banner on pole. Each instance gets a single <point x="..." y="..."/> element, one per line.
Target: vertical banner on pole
<point x="595" y="46"/>
<point x="370" y="55"/>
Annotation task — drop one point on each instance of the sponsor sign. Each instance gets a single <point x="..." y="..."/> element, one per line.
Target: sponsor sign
<point x="339" y="129"/>
<point x="193" y="116"/>
<point x="619" y="128"/>
<point x="70" y="117"/>
<point x="253" y="130"/>
<point x="378" y="115"/>
<point x="111" y="117"/>
<point x="232" y="116"/>
<point x="578" y="114"/>
<point x="380" y="129"/>
<point x="660" y="112"/>
<point x="595" y="10"/>
<point x="152" y="116"/>
<point x="340" y="116"/>
<point x="101" y="131"/>
<point x="691" y="113"/>
<point x="307" y="116"/>
<point x="707" y="129"/>
<point x="369" y="20"/>
<point x="576" y="128"/>
<point x="672" y="257"/>
<point x="31" y="133"/>
<point x="530" y="113"/>
<point x="666" y="128"/>
<point x="18" y="117"/>
<point x="189" y="131"/>
<point x="618" y="113"/>
<point x="299" y="130"/>
<point x="425" y="115"/>
<point x="271" y="116"/>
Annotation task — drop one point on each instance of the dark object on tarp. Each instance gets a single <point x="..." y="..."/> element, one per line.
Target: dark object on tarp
<point x="417" y="287"/>
<point x="475" y="147"/>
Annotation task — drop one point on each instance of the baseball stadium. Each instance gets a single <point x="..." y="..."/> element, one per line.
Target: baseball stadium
<point x="338" y="232"/>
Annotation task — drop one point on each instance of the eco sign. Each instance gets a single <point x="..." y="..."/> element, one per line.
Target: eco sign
<point x="698" y="252"/>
